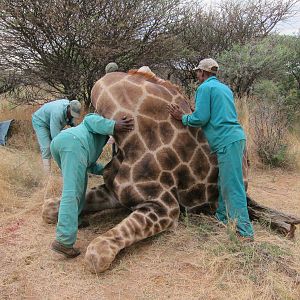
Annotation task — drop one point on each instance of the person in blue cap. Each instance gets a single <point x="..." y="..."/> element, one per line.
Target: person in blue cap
<point x="215" y="113"/>
<point x="111" y="67"/>
<point x="76" y="151"/>
<point x="49" y="120"/>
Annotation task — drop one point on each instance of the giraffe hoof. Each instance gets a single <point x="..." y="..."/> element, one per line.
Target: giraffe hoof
<point x="50" y="210"/>
<point x="99" y="256"/>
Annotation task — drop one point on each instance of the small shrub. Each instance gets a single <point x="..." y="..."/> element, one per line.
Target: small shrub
<point x="270" y="132"/>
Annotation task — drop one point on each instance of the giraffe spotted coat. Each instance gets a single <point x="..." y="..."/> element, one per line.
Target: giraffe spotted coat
<point x="160" y="168"/>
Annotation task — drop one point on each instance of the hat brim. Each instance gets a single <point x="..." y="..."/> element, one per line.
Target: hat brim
<point x="75" y="114"/>
<point x="209" y="71"/>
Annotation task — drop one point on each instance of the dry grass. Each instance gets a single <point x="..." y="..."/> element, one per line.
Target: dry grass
<point x="198" y="260"/>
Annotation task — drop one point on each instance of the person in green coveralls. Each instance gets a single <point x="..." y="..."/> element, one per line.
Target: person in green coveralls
<point x="49" y="120"/>
<point x="111" y="67"/>
<point x="215" y="113"/>
<point x="76" y="151"/>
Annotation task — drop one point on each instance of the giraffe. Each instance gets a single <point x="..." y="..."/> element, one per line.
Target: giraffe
<point x="160" y="168"/>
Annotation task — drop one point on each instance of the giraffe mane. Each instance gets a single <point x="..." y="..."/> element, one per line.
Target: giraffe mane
<point x="156" y="79"/>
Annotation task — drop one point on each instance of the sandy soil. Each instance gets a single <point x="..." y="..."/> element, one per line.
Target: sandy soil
<point x="174" y="265"/>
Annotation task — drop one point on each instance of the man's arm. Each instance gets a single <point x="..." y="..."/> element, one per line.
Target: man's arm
<point x="99" y="125"/>
<point x="201" y="115"/>
<point x="55" y="125"/>
<point x="96" y="169"/>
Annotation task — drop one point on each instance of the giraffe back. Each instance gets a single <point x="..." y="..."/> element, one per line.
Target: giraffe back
<point x="160" y="155"/>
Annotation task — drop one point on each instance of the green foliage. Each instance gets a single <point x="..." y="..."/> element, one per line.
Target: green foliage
<point x="284" y="95"/>
<point x="267" y="90"/>
<point x="244" y="65"/>
<point x="67" y="44"/>
<point x="269" y="71"/>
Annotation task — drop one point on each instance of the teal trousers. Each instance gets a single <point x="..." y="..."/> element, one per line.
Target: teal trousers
<point x="72" y="159"/>
<point x="232" y="202"/>
<point x="44" y="138"/>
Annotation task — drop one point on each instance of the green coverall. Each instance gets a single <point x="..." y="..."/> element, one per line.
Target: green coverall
<point x="215" y="112"/>
<point x="48" y="121"/>
<point x="76" y="151"/>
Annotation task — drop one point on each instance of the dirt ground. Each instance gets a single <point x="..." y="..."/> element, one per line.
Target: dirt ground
<point x="187" y="263"/>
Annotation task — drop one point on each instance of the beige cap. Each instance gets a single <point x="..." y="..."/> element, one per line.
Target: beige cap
<point x="208" y="64"/>
<point x="75" y="108"/>
<point x="146" y="69"/>
<point x="111" y="67"/>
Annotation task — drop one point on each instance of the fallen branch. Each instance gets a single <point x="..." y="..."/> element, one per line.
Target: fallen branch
<point x="281" y="222"/>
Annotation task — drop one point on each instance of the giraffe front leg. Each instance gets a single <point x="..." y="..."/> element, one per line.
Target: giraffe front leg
<point x="148" y="219"/>
<point x="97" y="199"/>
<point x="50" y="210"/>
<point x="100" y="198"/>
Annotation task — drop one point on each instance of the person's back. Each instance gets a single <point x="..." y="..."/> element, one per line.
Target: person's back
<point x="57" y="109"/>
<point x="92" y="133"/>
<point x="223" y="127"/>
<point x="49" y="120"/>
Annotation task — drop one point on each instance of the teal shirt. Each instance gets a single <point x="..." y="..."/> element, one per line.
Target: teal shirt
<point x="53" y="115"/>
<point x="215" y="112"/>
<point x="93" y="133"/>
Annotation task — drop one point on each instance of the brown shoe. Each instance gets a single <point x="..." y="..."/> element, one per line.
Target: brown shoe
<point x="61" y="249"/>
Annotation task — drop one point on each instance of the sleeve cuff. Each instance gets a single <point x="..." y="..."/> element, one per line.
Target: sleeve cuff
<point x="96" y="169"/>
<point x="113" y="127"/>
<point x="185" y="120"/>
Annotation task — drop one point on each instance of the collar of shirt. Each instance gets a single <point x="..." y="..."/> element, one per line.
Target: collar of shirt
<point x="210" y="78"/>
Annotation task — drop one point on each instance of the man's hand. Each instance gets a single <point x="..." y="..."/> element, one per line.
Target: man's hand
<point x="123" y="125"/>
<point x="175" y="111"/>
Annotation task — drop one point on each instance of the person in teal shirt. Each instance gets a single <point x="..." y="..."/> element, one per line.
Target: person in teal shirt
<point x="49" y="120"/>
<point x="215" y="113"/>
<point x="76" y="151"/>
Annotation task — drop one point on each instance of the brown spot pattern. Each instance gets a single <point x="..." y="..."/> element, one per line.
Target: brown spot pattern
<point x="166" y="132"/>
<point x="166" y="179"/>
<point x="193" y="196"/>
<point x="154" y="108"/>
<point x="183" y="177"/>
<point x="124" y="173"/>
<point x="200" y="164"/>
<point x="167" y="158"/>
<point x="185" y="146"/>
<point x="149" y="190"/>
<point x="105" y="107"/>
<point x="146" y="170"/>
<point x="213" y="175"/>
<point x="201" y="137"/>
<point x="212" y="193"/>
<point x="148" y="129"/>
<point x="159" y="91"/>
<point x="168" y="199"/>
<point x="129" y="197"/>
<point x="134" y="149"/>
<point x="133" y="93"/>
